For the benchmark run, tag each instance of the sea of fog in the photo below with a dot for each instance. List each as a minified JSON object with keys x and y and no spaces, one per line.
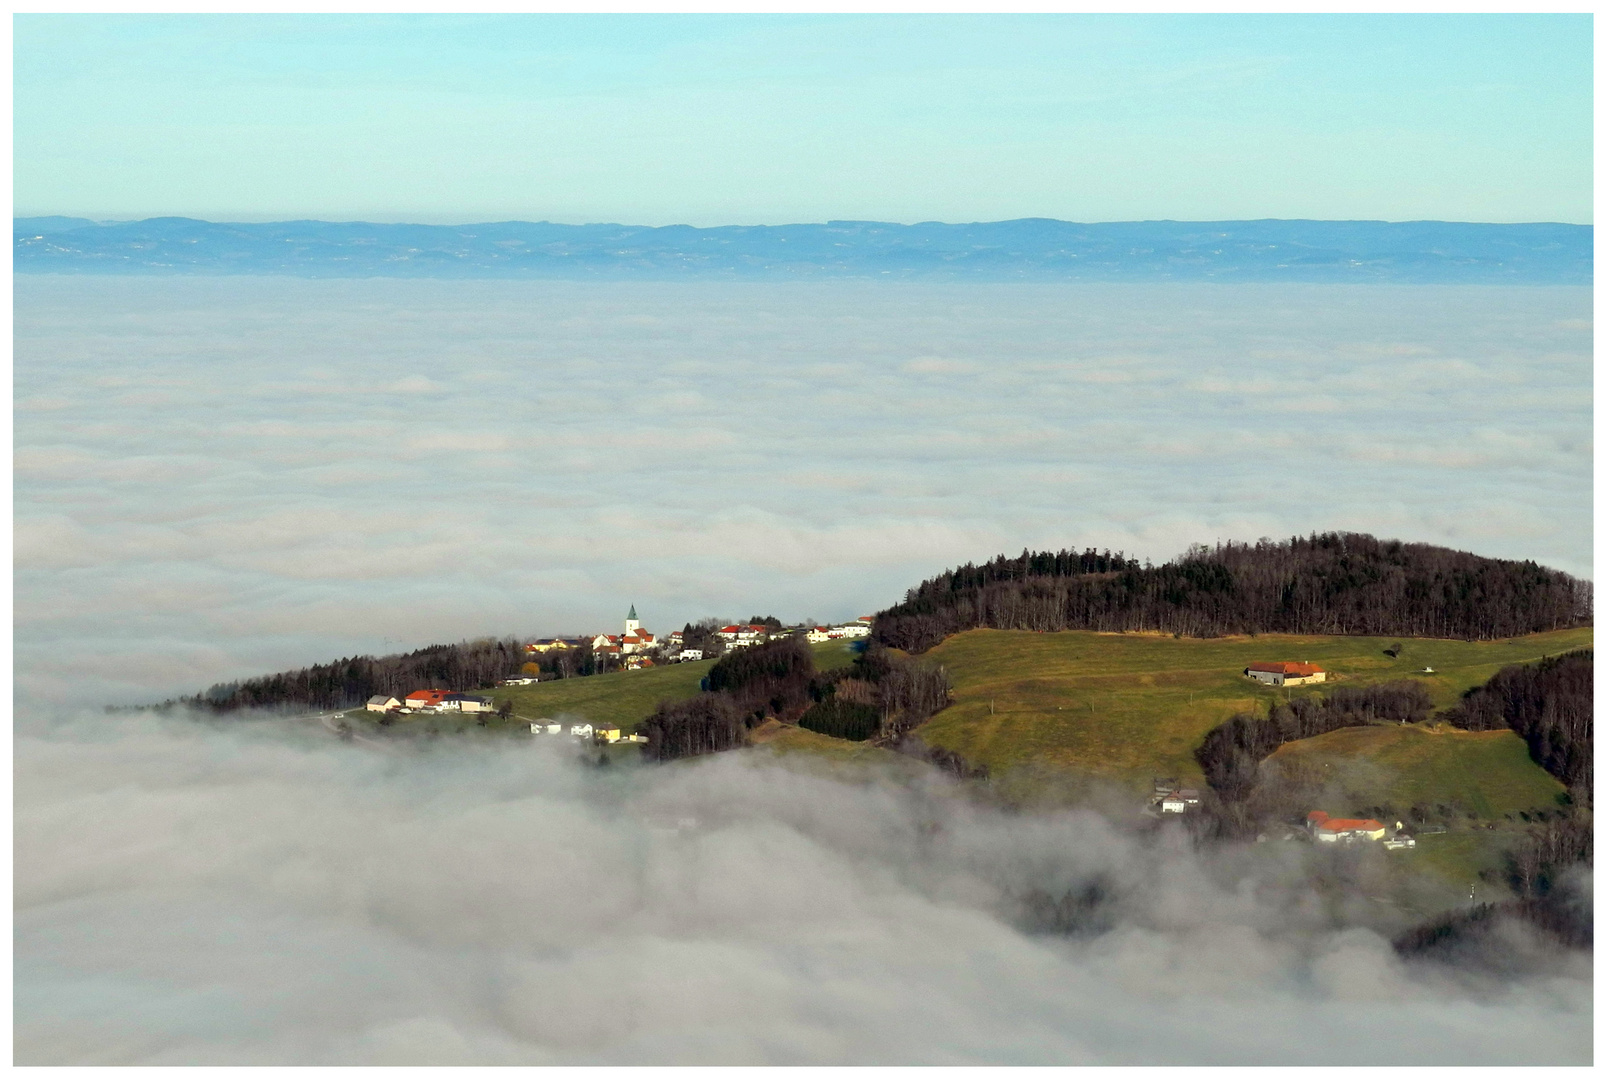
{"x":216,"y":477}
{"x":221,"y":477}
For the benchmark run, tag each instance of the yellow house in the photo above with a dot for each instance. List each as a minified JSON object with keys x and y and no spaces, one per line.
{"x":607,"y":732}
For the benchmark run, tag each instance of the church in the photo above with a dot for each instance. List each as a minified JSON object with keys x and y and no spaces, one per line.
{"x":633,"y":640}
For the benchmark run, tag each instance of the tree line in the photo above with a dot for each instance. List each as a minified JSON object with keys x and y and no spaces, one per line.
{"x":1232,"y":752}
{"x":877,"y":696}
{"x":344,"y":684}
{"x":1551,"y":705}
{"x":1327,"y":583}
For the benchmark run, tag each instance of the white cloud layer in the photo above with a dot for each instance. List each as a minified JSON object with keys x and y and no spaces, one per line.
{"x":218,"y":477}
{"x":258,"y":893}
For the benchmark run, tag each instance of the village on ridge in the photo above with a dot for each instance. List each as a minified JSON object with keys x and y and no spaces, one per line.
{"x":636,"y":648}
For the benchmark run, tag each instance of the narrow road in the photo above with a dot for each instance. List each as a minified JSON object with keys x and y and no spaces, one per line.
{"x":331,"y":721}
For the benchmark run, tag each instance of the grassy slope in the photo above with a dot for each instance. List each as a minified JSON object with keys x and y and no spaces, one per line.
{"x":1487,"y":772}
{"x":1132,"y":706}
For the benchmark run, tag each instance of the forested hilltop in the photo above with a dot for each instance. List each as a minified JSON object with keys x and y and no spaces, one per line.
{"x":1328,"y":583}
{"x":351,"y":681}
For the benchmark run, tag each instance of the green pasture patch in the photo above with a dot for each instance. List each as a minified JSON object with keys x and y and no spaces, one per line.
{"x":1133,"y":706}
{"x":1486,"y":774}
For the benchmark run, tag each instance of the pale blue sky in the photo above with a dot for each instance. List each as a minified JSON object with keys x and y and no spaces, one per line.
{"x":771,"y":119}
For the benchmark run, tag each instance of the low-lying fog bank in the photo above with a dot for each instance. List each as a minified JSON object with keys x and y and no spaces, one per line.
{"x":257,"y":892}
{"x":216,"y":478}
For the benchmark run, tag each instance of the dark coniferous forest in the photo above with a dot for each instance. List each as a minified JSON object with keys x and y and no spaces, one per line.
{"x":1328,"y":583}
{"x":345,"y":683}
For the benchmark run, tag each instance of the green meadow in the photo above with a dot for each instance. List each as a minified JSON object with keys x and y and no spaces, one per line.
{"x":1128,"y":707}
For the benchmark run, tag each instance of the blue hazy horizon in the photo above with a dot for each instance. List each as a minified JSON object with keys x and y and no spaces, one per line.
{"x":1028,"y":249}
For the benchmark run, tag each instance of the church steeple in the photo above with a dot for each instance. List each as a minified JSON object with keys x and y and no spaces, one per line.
{"x":632,"y":624}
{"x":632,"y":615}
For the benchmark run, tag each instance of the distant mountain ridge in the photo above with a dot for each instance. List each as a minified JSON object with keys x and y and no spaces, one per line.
{"x":1030,"y":249}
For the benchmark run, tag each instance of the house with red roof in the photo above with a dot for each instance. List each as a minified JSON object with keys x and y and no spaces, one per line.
{"x":1333,"y":830}
{"x":425,"y":699}
{"x":1285,"y":673}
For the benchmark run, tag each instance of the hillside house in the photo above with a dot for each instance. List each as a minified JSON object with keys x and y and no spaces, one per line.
{"x":607,"y":733}
{"x":424,"y":699}
{"x":524,"y":680}
{"x":546,"y":726}
{"x":817,"y":634}
{"x":1332,"y":830}
{"x":382,"y":703}
{"x":849,"y":630}
{"x":544,"y":645}
{"x":687,"y":655}
{"x":1178,"y":801}
{"x":466,"y":703}
{"x":582,"y":731}
{"x":1285,"y":673}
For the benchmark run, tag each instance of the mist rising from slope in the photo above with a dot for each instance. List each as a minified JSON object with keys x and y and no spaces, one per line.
{"x":257,"y":892}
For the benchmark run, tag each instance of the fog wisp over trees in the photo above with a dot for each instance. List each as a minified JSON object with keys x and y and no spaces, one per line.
{"x":1328,"y":583}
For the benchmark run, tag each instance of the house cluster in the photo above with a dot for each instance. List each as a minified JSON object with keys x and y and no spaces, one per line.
{"x":1286,"y":673}
{"x":429,"y":701}
{"x":1326,"y":829}
{"x":604,"y":733}
{"x":637,"y":648}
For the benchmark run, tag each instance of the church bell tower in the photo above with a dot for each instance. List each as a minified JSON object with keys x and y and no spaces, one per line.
{"x":632,"y":623}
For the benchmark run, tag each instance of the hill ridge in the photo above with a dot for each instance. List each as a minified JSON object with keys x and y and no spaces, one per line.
{"x":1023,"y":249}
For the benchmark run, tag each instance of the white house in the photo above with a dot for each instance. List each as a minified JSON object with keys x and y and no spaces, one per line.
{"x":851,"y":630}
{"x":817,"y":634}
{"x":580,"y":730}
{"x":546,"y":726}
{"x":466,"y":703}
{"x":523,"y":681}
{"x":1176,"y":800}
{"x":382,"y":703}
{"x":689,"y":654}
